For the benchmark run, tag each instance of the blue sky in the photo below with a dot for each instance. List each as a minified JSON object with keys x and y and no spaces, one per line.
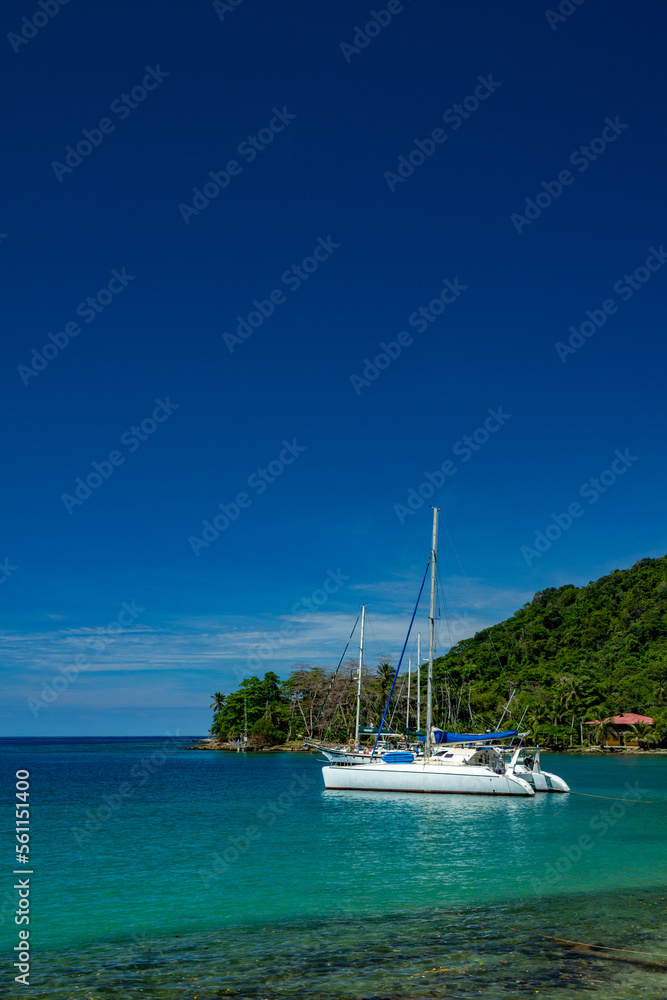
{"x":211,"y":344}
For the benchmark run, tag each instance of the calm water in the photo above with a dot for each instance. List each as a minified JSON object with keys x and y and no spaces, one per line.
{"x":162,"y":872}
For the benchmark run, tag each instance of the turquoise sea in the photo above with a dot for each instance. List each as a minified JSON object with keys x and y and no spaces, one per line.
{"x":162,"y":872}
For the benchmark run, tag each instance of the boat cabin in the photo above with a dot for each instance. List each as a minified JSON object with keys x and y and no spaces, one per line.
{"x":480,"y":756}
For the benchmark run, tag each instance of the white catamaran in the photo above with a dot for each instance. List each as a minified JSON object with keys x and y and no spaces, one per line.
{"x":452,"y":763}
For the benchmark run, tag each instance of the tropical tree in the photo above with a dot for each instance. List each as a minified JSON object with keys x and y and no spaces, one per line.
{"x":265,"y":733}
{"x":575,"y":692}
{"x":385,"y":675}
{"x":218,"y":701}
{"x":569,"y":690}
{"x":602,"y":732}
{"x":644,"y":733}
{"x":534,"y":722}
{"x":308,"y":687}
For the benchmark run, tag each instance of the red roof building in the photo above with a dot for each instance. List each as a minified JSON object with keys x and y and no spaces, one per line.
{"x":630,"y":719}
{"x":625,"y":719}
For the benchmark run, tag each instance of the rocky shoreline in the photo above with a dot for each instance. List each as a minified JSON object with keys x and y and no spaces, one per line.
{"x":229,"y":746}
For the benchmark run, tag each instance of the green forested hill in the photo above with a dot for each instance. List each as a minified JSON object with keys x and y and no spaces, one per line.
{"x":572,"y":651}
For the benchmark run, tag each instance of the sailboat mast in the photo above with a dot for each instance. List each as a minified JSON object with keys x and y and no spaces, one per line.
{"x":419,"y":687}
{"x":407,"y":709}
{"x":361,"y":660}
{"x":505,"y":709}
{"x":431,"y":636}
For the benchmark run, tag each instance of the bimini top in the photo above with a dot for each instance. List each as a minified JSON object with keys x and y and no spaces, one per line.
{"x":442,"y":737}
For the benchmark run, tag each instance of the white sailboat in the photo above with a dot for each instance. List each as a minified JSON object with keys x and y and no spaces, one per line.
{"x":354,"y":753}
{"x":479,"y":767}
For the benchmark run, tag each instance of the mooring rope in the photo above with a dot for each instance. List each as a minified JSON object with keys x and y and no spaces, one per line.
{"x":614,"y":798}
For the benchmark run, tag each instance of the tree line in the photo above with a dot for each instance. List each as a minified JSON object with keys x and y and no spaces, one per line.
{"x":313,"y":701}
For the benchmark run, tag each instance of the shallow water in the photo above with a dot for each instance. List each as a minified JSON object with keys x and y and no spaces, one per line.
{"x":170,"y":873}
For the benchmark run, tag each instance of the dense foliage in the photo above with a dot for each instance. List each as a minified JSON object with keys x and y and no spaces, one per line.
{"x":572,"y":654}
{"x":311,"y":701}
{"x":258,"y":705}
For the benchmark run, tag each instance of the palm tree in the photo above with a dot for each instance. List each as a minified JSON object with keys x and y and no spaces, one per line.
{"x":568,"y":688}
{"x":218,"y":701}
{"x":575,"y":691}
{"x":602,"y":731}
{"x":534,"y":722}
{"x":660,"y":691}
{"x":385,"y":675}
{"x":644,"y":733}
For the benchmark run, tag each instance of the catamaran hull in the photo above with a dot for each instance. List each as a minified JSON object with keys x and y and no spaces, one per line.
{"x":545,"y":781}
{"x":425,"y":778}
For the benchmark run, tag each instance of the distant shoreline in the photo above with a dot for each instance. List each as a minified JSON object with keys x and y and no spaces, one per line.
{"x":296,"y":746}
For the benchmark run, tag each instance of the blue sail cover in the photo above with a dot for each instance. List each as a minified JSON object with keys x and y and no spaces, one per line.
{"x":442,"y":737}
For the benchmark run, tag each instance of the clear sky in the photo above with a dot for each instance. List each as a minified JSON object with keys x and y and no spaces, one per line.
{"x":214,"y":217}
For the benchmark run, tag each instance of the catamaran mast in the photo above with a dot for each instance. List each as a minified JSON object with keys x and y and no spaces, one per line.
{"x":419,"y":689}
{"x":361,"y":660}
{"x":431,"y":636}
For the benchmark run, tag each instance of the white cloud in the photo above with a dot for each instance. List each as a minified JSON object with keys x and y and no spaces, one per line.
{"x":209,"y":643}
